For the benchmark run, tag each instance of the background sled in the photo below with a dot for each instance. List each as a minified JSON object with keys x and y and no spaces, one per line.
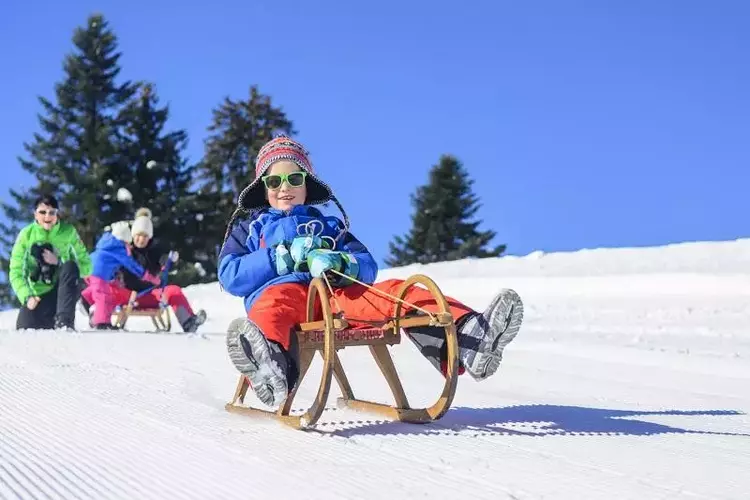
{"x":333,"y":333}
{"x":160,"y":316}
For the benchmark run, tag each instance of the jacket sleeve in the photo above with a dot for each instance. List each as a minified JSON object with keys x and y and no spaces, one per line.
{"x":129,"y":263}
{"x":81,"y":254}
{"x":17,"y":274}
{"x":244,"y":268}
{"x":368,"y":268}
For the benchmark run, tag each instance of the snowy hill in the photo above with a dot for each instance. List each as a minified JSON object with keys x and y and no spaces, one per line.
{"x":629,"y":380}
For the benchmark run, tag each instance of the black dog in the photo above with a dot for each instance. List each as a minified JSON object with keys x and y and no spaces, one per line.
{"x":42,"y":272}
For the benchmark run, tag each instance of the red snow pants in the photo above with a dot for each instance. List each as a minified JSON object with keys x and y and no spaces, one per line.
{"x":280,"y":307}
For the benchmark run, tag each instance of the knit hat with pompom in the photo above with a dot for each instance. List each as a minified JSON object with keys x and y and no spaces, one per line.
{"x":142,"y":223}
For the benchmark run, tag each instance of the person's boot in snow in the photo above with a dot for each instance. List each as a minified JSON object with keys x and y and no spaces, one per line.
{"x":271,"y":371}
{"x":191,"y":324}
{"x":64,"y":323}
{"x":105,"y":326}
{"x":483,"y":337}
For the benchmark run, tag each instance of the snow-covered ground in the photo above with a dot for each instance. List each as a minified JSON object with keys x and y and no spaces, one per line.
{"x":630,"y":379}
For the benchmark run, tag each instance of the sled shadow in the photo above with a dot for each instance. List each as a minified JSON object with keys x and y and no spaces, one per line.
{"x":536,"y":421}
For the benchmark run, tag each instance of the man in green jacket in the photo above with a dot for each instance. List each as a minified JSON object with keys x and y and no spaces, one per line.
{"x":47,"y":263}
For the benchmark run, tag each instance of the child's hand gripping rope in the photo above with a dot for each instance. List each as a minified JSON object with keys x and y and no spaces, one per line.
{"x":320,"y":261}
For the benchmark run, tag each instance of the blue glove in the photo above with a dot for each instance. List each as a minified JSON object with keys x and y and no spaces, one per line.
{"x":301,"y":248}
{"x":320,"y":260}
{"x":284,"y":262}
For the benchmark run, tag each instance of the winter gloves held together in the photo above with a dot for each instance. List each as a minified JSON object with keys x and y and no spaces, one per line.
{"x":312,"y":254}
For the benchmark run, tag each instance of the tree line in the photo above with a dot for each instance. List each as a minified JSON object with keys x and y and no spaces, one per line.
{"x":104,"y":148}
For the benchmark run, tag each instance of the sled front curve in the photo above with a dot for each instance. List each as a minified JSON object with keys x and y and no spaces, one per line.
{"x":316,"y":291}
{"x":401,"y":410}
{"x":333,"y":333}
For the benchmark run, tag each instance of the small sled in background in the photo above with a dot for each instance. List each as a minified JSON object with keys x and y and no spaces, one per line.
{"x":160,"y":315}
{"x":333,"y":333}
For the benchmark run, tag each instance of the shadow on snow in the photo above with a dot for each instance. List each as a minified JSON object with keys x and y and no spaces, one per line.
{"x":535,"y":420}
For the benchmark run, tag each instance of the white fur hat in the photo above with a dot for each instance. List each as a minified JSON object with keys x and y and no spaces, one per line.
{"x":121,"y":231}
{"x":142,"y":223}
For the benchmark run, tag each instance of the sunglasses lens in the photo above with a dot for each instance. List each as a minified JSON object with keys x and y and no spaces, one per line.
{"x":296,"y":179}
{"x":273,"y":181}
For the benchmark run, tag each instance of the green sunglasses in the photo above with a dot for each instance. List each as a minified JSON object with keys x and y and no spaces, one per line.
{"x":294,"y":179}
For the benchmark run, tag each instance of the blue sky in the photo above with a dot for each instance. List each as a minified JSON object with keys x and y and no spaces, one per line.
{"x":584,"y":124}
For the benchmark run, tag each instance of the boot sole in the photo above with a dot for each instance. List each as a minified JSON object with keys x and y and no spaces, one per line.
{"x":507,"y":312}
{"x":266,"y":379}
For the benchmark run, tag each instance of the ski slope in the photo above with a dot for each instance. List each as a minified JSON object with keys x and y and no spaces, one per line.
{"x":629,"y":380}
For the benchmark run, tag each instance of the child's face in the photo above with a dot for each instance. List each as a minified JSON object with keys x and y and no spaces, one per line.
{"x":140,"y":240}
{"x":286,"y":196}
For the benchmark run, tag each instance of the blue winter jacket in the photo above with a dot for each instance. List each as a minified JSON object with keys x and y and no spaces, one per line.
{"x":110,"y":255}
{"x":247,"y":263}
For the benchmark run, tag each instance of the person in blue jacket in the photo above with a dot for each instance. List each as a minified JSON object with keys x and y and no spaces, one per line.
{"x":111,"y":254}
{"x":277,"y":241}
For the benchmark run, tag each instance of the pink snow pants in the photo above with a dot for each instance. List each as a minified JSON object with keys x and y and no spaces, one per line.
{"x":103,"y":294}
{"x":107,"y":295}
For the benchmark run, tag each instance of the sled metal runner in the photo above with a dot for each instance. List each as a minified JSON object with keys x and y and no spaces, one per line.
{"x":332,"y":333}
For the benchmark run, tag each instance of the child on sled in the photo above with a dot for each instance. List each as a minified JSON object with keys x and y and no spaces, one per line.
{"x":281,"y":242}
{"x":153,"y":258}
{"x":139,"y":261}
{"x":103,"y":292}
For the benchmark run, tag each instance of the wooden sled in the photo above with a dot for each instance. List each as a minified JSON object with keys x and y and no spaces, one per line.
{"x":159,"y":316}
{"x":333,"y":333}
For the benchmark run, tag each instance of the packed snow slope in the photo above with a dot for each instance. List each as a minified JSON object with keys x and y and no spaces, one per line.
{"x":630,"y":379}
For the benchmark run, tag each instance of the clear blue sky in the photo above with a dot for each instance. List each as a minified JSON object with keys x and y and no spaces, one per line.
{"x":584,"y":124}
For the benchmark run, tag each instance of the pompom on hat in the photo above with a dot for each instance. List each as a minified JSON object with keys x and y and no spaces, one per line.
{"x":143,"y":212}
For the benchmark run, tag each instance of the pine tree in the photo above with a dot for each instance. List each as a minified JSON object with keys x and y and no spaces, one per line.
{"x":159,"y":178}
{"x":238,"y":131}
{"x":75,"y":152}
{"x":442,"y":229}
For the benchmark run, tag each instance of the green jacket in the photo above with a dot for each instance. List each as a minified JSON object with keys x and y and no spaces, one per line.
{"x":67,"y":244}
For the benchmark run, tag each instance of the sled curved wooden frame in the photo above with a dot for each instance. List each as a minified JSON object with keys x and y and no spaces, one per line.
{"x":159,"y":316}
{"x":332,"y":333}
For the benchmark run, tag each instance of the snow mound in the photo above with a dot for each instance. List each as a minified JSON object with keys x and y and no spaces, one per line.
{"x":629,"y":379}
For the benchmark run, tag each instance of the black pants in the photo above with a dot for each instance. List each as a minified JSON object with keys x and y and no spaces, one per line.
{"x":56,"y":307}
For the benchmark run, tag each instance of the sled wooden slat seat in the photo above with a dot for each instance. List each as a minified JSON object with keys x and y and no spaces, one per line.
{"x":331,"y":334}
{"x":159,"y":315}
{"x":315,"y":339}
